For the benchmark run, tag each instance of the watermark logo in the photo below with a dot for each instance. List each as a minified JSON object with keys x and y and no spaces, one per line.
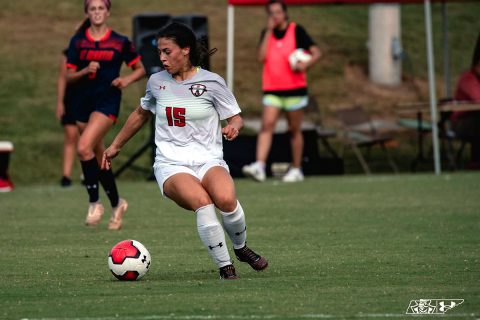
{"x":432,"y":306}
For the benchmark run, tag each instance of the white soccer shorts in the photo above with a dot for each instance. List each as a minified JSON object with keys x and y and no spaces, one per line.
{"x":165,"y":171}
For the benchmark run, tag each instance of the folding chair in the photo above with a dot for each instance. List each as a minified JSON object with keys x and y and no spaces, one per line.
{"x":360,"y":132}
{"x":313,"y":113}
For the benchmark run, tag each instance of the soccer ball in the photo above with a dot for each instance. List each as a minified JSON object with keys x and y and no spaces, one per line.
{"x":129,"y":260}
{"x":299,"y":55}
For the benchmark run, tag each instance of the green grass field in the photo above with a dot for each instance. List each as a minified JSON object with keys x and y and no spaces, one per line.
{"x":338,"y":247}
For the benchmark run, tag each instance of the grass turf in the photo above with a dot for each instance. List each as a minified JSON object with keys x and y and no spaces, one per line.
{"x":340,"y":247}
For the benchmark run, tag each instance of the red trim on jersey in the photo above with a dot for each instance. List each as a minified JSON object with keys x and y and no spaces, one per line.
{"x":72,"y":66}
{"x":131,"y":63}
{"x":105,"y":36}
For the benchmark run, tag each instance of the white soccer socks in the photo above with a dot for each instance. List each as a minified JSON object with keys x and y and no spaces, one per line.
{"x":211,"y":233}
{"x":234,"y":224}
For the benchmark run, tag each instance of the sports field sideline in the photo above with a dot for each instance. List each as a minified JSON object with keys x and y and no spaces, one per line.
{"x":339,"y":248}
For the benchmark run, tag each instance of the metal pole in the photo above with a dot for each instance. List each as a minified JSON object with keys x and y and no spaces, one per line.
{"x":230,"y":44}
{"x":446,"y":57}
{"x":431,"y":82}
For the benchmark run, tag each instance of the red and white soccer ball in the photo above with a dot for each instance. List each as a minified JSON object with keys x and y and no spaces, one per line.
{"x":299,"y":55}
{"x":129,"y":260}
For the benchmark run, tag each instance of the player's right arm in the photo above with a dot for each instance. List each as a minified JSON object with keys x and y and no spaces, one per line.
{"x":61,"y":85}
{"x":73,"y":75}
{"x":262,"y":48}
{"x":73,"y":61}
{"x":135,"y":122}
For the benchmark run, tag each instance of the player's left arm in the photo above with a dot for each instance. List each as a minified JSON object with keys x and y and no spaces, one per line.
{"x":137,"y":73}
{"x":227,"y":107}
{"x":307,"y":43}
{"x":316,"y":55}
{"x":233,"y":127}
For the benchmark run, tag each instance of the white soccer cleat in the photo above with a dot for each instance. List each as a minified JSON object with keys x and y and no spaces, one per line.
{"x":255,"y":171}
{"x":293,"y":175}
{"x":94,"y":215}
{"x":117,"y":215}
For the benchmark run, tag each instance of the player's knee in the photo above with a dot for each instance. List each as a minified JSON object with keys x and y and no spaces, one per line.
{"x":84,"y":151}
{"x":268,"y":127}
{"x":226,"y":203}
{"x":70,"y":139}
{"x":202,"y":201}
{"x":295,"y":128}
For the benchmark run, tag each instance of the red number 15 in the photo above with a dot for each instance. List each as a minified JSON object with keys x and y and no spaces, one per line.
{"x":175,"y":116}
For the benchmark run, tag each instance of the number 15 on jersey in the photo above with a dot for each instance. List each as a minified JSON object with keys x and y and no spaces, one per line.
{"x":175,"y":116}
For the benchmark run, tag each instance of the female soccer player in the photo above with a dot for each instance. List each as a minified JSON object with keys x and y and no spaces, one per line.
{"x":188,"y":103}
{"x":65,"y":113}
{"x":94,"y":61}
{"x":284,"y":88}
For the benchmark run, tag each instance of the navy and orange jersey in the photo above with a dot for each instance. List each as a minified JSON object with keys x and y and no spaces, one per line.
{"x":110,"y":51}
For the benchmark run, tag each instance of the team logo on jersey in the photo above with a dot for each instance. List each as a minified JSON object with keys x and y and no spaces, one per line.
{"x":197,"y":89}
{"x":96,"y":55}
{"x":162,"y":88}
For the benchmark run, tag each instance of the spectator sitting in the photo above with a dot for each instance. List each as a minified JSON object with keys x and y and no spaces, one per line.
{"x":466,"y":124}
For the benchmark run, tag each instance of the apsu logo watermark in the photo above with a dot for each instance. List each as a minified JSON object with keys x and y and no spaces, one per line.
{"x":432,"y":306}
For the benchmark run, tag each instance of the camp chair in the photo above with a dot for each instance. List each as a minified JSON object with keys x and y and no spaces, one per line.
{"x":360,"y":132}
{"x":448,"y":137}
{"x":313,"y":113}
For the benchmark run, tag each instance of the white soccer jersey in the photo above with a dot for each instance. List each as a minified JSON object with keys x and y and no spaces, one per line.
{"x":187,"y":116}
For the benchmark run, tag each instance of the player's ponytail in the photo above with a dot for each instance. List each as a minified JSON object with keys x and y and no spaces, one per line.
{"x":184,"y":37}
{"x":203,"y":54}
{"x":83,"y":26}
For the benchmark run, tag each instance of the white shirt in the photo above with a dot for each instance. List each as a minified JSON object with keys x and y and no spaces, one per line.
{"x":187,"y":116}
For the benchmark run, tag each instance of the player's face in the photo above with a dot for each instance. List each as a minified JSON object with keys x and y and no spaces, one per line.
{"x":173,"y":58}
{"x":275,"y":12}
{"x":97,"y":12}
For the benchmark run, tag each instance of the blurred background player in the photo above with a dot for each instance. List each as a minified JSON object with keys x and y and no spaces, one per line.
{"x":65,"y":114}
{"x":189,"y":103}
{"x":6,"y":184}
{"x":284,"y":88}
{"x":94,"y":61}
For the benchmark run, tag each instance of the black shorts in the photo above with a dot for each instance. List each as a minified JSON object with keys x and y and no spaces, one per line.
{"x":107,"y":102}
{"x":68,"y":117}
